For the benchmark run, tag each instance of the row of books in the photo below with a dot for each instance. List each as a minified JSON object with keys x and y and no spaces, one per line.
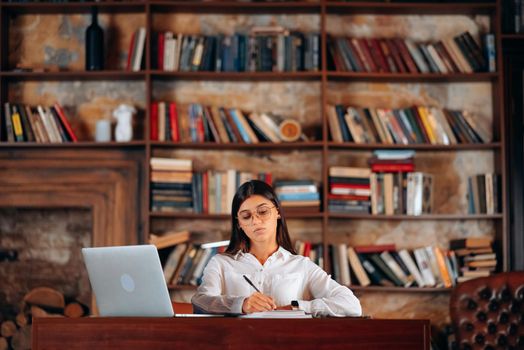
{"x":483,"y":194}
{"x":460,"y":54}
{"x":184,"y":262}
{"x":200,"y":123}
{"x":313,"y":251}
{"x":24,"y":123}
{"x":135,"y":55}
{"x":429,"y":266}
{"x":405,"y":126}
{"x":265,"y":49}
{"x":298,"y":194}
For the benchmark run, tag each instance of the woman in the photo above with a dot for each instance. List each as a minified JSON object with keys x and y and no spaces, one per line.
{"x":260,"y":249}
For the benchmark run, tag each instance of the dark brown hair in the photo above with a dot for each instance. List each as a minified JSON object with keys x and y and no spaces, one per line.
{"x":239,"y":240}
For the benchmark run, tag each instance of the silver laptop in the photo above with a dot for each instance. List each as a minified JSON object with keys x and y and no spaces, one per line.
{"x":128,"y":281}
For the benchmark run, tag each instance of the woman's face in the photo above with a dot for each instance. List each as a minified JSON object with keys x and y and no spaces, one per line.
{"x":257,"y":217}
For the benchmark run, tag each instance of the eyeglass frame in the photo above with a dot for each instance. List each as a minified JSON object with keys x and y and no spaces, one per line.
{"x":255,"y":212}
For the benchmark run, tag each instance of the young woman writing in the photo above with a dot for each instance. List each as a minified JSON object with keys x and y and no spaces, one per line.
{"x":260,"y":270}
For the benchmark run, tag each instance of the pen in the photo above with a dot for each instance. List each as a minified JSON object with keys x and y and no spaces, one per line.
{"x":250,"y":283}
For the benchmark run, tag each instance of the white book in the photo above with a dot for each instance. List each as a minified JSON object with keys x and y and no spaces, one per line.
{"x":436,"y":58}
{"x":231,"y":188}
{"x":47,"y":125}
{"x":270,"y":123}
{"x":269,"y":133}
{"x":140,"y":43}
{"x":343,"y":263}
{"x":424,"y":267}
{"x":417,"y":193}
{"x":442,"y":120}
{"x":178,"y":49}
{"x":417,"y":56}
{"x":177,"y":164}
{"x":395,"y":268}
{"x":412,"y":267}
{"x":169,"y":52}
{"x":433,"y":264}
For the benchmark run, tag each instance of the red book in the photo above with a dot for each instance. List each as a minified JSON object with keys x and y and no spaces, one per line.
{"x":153,"y":133}
{"x":446,"y":57}
{"x":406,"y":57}
{"x":367,"y":54}
{"x":392,"y":168}
{"x":130,"y":52}
{"x":343,"y":185}
{"x":375,"y":248}
{"x":384,"y":48}
{"x":160,"y":52}
{"x":200,"y":125}
{"x":396,"y":55}
{"x":347,"y":197}
{"x":173,"y":121}
{"x":380,"y":60}
{"x":307,"y":248}
{"x":65,"y":122}
{"x":268,"y":178}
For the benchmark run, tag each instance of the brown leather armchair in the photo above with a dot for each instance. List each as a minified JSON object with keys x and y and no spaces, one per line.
{"x":488,"y":313}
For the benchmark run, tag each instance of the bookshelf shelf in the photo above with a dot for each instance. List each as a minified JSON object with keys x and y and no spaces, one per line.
{"x":237,"y":7}
{"x":241,"y":146}
{"x":418,"y":147}
{"x":512,"y":36}
{"x":403,"y":77}
{"x":73,"y":75}
{"x":424,"y":217}
{"x":174,"y":215}
{"x":86,"y":144}
{"x":400,"y":289}
{"x":73,"y":7}
{"x":251,"y":76}
{"x":400,"y":8}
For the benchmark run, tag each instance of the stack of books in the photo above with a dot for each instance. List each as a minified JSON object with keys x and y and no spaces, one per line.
{"x":349,"y":190}
{"x":299,"y":195}
{"x":475,"y":257}
{"x":171,"y":184}
{"x":483,"y":194}
{"x":459,"y":54}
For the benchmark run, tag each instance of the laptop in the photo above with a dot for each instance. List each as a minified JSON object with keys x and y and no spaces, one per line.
{"x":128,"y":281}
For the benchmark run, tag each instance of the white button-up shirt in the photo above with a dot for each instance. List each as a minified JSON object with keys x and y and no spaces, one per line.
{"x":284,"y":277}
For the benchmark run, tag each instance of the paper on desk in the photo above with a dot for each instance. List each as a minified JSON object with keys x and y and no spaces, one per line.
{"x":278,"y":314}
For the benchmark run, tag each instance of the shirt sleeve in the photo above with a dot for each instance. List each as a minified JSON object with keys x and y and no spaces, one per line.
{"x":329,"y":297}
{"x":209,"y":297}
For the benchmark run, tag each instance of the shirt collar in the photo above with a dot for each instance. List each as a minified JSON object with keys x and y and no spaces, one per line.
{"x":280,"y":253}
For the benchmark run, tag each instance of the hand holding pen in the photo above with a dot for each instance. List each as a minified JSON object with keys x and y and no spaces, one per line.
{"x":257,"y":301}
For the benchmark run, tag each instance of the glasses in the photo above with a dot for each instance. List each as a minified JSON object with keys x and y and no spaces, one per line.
{"x":263,"y":213}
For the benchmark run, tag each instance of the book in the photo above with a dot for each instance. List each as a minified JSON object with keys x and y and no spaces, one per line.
{"x":470,"y":242}
{"x":168,"y":239}
{"x":278,"y":314}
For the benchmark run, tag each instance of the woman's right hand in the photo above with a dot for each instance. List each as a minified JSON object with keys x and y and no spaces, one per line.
{"x":257,"y":302}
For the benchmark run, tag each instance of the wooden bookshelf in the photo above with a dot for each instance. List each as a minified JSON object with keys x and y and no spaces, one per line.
{"x":323,"y":10}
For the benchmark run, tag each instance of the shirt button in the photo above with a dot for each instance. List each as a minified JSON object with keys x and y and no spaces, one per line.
{"x":261,"y":270}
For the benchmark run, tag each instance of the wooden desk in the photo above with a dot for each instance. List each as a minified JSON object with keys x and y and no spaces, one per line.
{"x":229,"y":333}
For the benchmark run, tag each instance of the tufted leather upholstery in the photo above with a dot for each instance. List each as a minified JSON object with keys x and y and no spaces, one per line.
{"x":488,"y":312}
